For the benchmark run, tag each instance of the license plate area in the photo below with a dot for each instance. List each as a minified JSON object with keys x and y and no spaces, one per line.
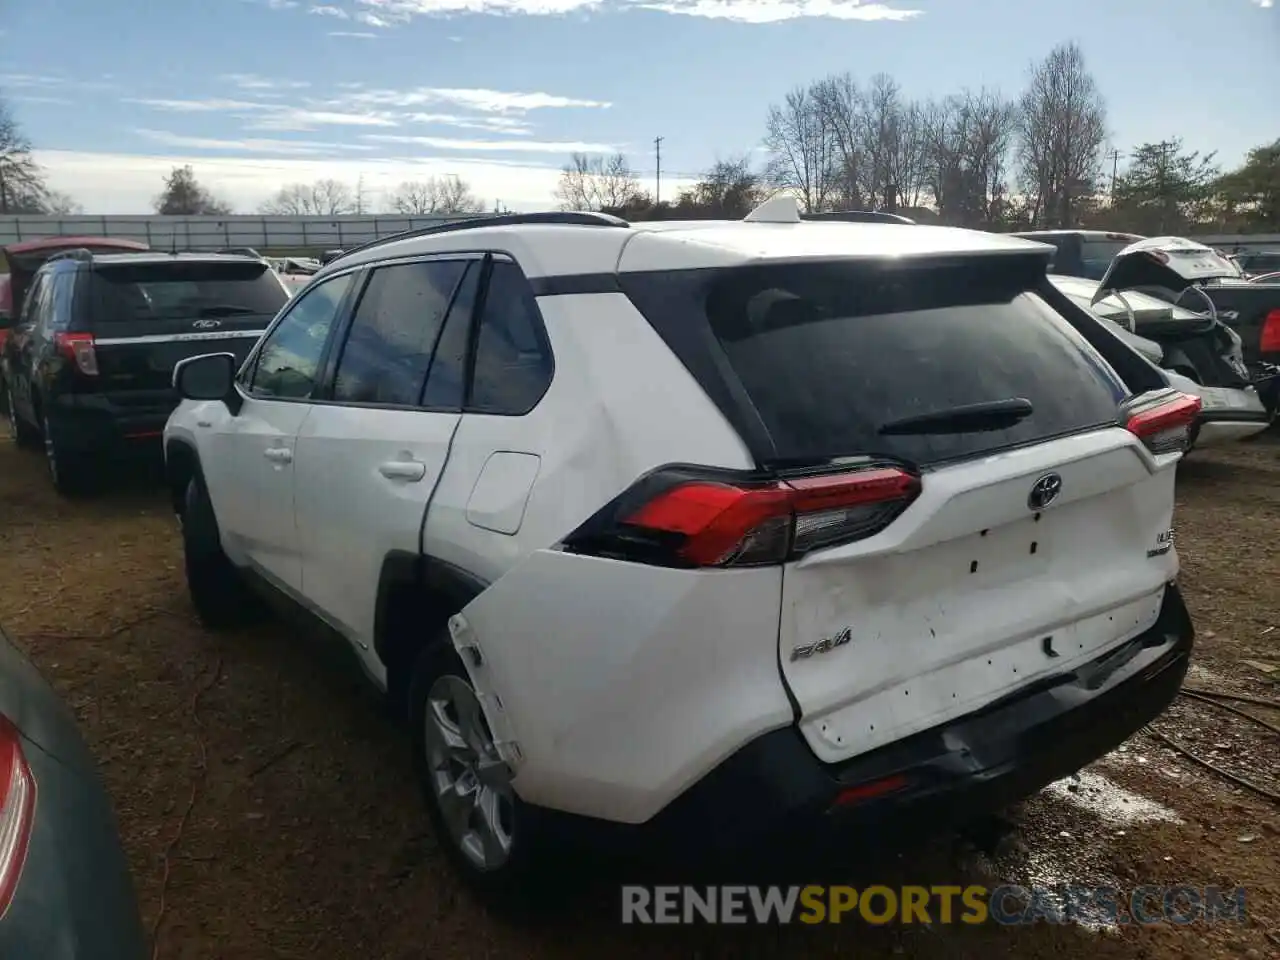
{"x":1017,"y":550}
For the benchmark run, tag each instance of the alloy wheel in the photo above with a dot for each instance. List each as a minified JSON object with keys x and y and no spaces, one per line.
{"x":472,"y":785}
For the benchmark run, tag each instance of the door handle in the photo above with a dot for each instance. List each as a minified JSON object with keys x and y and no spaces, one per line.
{"x":278,"y":454}
{"x":410,"y":470}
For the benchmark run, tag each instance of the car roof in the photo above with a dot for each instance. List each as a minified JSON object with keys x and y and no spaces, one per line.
{"x":71,"y":243}
{"x":548,"y":249}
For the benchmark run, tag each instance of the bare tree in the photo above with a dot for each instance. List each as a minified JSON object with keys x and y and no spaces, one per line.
{"x":805,"y":153}
{"x":60,"y":204}
{"x":184,"y":196}
{"x":728,"y":191}
{"x":967,"y":141}
{"x":595,"y":182}
{"x":22,"y":187}
{"x":1061,"y":133}
{"x":839,"y":135}
{"x":907,"y":156}
{"x":448,"y":195}
{"x":323,"y":198}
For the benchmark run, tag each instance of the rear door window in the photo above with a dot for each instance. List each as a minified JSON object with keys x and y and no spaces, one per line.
{"x":157,"y":292}
{"x":513,"y":365}
{"x":394,"y":332}
{"x":828,"y":354}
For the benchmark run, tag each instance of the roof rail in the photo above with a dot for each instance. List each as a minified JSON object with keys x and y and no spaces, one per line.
{"x":859,"y":216}
{"x":79,"y":253}
{"x":564,"y":218}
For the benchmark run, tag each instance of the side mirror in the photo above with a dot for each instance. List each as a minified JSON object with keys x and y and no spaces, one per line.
{"x":211,"y":376}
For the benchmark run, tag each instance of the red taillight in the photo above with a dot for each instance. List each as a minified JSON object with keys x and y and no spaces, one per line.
{"x":1271,"y":333}
{"x":715,"y":523}
{"x":17,"y":811}
{"x":871,"y":790}
{"x":1165,"y":426}
{"x":78,"y":348}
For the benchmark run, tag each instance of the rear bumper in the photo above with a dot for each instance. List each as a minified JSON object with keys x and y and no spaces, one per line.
{"x":100,"y":424}
{"x":943,"y":777}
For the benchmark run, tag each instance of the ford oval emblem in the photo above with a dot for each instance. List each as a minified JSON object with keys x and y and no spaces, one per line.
{"x":1044,"y":491}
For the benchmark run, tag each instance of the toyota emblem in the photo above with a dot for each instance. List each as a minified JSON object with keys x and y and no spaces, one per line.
{"x":1044,"y":491}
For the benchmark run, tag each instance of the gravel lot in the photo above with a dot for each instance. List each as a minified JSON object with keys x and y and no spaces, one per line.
{"x":268,"y":809}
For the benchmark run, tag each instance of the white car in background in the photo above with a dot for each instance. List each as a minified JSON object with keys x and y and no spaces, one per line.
{"x":1201,"y":356}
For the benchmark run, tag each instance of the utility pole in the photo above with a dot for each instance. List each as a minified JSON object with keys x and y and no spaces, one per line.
{"x":1162,"y":173}
{"x":1115,"y":170}
{"x":657,"y":180}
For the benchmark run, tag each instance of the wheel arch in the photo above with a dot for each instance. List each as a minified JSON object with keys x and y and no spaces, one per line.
{"x":181,"y":466}
{"x":417,"y":594}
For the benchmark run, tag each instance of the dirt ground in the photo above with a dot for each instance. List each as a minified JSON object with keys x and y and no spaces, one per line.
{"x":268,"y":808}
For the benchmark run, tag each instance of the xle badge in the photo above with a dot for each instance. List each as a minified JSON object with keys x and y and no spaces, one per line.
{"x":805,"y":651}
{"x":1164,"y":543}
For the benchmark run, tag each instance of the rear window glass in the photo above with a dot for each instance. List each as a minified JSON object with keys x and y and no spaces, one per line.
{"x":829,"y":354}
{"x":137,"y":293}
{"x":1096,"y":256}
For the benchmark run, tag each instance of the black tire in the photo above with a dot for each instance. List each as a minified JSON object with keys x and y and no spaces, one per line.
{"x":218,"y":592}
{"x":513,"y":886}
{"x":23,"y":434}
{"x":70,"y":472}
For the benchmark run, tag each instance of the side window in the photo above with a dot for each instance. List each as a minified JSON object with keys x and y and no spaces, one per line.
{"x":58,"y":315}
{"x":394,"y":332}
{"x":513,"y":361}
{"x":289,"y":359}
{"x":35,"y":296}
{"x":447,"y":381}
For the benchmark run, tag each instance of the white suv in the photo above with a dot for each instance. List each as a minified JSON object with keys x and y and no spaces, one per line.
{"x":716,"y":527}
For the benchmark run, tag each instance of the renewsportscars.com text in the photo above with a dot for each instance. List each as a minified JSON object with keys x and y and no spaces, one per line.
{"x":1007,"y":905}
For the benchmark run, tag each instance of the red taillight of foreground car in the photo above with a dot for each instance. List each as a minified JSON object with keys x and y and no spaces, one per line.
{"x":694,"y":522}
{"x":1166,"y":426}
{"x":17,"y":811}
{"x":79,"y":349}
{"x":1270,"y":342}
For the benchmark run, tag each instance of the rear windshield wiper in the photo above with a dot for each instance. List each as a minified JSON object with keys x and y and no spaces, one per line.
{"x":969,"y":418}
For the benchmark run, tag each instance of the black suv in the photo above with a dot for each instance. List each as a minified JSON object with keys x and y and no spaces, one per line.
{"x":89,"y":365}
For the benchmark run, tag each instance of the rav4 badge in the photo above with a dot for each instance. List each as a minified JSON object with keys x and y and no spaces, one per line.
{"x":825,"y":645}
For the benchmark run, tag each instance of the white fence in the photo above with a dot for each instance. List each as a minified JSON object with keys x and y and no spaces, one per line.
{"x":214,"y":233}
{"x":310,"y":233}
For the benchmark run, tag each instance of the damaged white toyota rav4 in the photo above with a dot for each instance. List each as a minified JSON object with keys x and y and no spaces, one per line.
{"x":722,"y":528}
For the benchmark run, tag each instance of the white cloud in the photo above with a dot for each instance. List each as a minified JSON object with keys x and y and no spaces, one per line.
{"x":251,"y":81}
{"x":742,"y":11}
{"x":278,"y":147}
{"x":295,"y":119}
{"x":354,"y":35}
{"x":509,"y":125}
{"x":34,"y":98}
{"x":328,"y":11}
{"x":214,"y":105}
{"x":483,"y":146}
{"x":486,"y":101}
{"x":1264,"y":4}
{"x":128,"y":183}
{"x":774,"y":11}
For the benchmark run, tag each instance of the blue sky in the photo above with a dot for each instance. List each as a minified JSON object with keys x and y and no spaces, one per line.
{"x":257,"y":93}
